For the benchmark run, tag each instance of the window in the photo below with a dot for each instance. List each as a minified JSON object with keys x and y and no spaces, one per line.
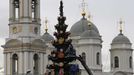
{"x":15,"y":64}
{"x":130,"y":62}
{"x":16,"y":8}
{"x":34,"y":3}
{"x":36,"y":30}
{"x":98,"y":58}
{"x":84,"y":56}
{"x":36,"y":64}
{"x":116,"y":62}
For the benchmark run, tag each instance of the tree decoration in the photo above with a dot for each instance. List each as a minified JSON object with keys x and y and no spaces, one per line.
{"x":64,"y":52}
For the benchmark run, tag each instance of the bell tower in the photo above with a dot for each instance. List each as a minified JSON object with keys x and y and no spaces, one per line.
{"x":24,"y":19}
{"x":24,"y":51}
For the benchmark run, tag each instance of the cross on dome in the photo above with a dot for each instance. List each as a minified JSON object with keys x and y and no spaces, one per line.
{"x":83,"y":6}
{"x":46,"y":23}
{"x":121,"y":25}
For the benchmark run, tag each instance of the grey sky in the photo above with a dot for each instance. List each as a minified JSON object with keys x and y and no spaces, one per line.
{"x":105,"y":14}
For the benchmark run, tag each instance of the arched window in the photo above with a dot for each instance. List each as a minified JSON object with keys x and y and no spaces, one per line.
{"x":16,"y":8}
{"x":84,"y":56}
{"x":34,"y":3}
{"x":116,"y":62}
{"x":15,"y":64}
{"x":98,"y":58}
{"x":36,"y":30}
{"x":130,"y":62}
{"x":36,"y":64}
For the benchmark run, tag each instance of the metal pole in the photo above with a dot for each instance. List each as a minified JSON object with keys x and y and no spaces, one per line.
{"x":80,"y":58}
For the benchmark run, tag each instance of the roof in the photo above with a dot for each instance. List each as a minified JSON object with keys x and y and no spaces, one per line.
{"x":12,"y":43}
{"x":17,"y":43}
{"x":120,"y":39}
{"x":38,"y":42}
{"x":90,"y":34}
{"x":81,"y":26}
{"x":47,"y":37}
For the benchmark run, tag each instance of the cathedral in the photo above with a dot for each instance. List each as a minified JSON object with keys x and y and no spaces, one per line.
{"x":26,"y":50}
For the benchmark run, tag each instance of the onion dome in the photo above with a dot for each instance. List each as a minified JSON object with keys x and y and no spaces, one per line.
{"x":90,"y":34}
{"x":120,"y":39}
{"x":81,"y":26}
{"x":47,"y":37}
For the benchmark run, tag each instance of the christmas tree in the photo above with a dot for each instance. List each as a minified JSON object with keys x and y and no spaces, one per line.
{"x":64,"y":53}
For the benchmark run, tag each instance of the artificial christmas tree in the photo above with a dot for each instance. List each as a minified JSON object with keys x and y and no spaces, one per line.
{"x":64,"y":56}
{"x":64,"y":52}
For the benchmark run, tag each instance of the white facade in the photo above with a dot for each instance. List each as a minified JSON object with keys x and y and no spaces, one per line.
{"x":88,"y":40}
{"x":25,"y":50}
{"x":121,"y":56}
{"x":92,"y":46}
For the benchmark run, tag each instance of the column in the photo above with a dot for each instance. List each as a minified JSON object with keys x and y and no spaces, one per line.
{"x":21,"y":63}
{"x":5,"y":65}
{"x":11,"y":10}
{"x":38,"y":11}
{"x":30,"y":9}
{"x":25,"y":10}
{"x":31,"y":61}
{"x":9,"y":64}
{"x":26,"y":62}
{"x":41,"y":63}
{"x":45,"y":62}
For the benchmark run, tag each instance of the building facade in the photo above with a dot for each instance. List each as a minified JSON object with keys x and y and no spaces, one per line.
{"x":25,"y":50}
{"x":88,"y":43}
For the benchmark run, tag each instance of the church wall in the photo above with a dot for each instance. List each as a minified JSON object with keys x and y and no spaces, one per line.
{"x":25,"y":32}
{"x":126,"y":46}
{"x":123,"y":60}
{"x":91,"y":52}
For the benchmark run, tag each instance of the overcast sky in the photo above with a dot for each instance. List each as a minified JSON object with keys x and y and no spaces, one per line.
{"x":105,"y":15}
